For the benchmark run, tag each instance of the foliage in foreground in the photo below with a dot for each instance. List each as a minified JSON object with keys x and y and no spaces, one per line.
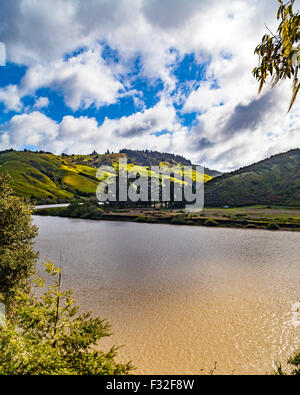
{"x":279,"y":54}
{"x":295,"y":362}
{"x":50,"y":337}
{"x":17,"y":257}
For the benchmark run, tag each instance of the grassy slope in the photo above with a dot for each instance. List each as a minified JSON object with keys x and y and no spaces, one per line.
{"x":273,"y":181}
{"x":48,"y":176}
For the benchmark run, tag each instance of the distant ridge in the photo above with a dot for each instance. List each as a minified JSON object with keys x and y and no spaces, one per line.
{"x":154,"y":158}
{"x":275,"y":181}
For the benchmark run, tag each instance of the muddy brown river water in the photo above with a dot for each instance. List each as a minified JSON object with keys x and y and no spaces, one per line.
{"x":181,"y":298}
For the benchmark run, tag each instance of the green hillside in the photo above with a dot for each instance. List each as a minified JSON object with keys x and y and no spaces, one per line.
{"x":45,"y":177}
{"x":273,"y":181}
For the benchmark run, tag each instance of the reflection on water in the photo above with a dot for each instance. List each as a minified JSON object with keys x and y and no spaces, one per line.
{"x":182,"y":298}
{"x":51,"y":205}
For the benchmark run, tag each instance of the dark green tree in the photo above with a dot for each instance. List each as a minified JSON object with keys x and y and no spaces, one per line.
{"x":279,"y":53}
{"x":17,"y":257}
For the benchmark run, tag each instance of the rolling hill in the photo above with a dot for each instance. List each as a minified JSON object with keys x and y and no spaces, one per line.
{"x":45,"y":177}
{"x":273,"y":181}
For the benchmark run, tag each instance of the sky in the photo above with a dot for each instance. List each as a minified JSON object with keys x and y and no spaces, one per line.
{"x":166,"y":75}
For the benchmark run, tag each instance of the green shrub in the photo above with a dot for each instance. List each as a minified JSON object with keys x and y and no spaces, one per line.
{"x":41,"y":211}
{"x":211,"y":222}
{"x":140,"y":218}
{"x":87,"y":210}
{"x":273,"y":226}
{"x":190,"y":222}
{"x":251,"y":226}
{"x":178,"y":220}
{"x":151,"y":220}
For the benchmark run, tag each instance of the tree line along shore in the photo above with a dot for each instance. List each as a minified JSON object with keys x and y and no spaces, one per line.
{"x":257,"y":217}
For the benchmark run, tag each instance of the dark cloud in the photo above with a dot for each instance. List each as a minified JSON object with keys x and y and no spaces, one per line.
{"x":170,"y":13}
{"x":105,"y":13}
{"x":137,"y":129}
{"x":198,"y":138}
{"x":10,"y":15}
{"x":202,"y":143}
{"x":249,"y":116}
{"x":227,"y":155}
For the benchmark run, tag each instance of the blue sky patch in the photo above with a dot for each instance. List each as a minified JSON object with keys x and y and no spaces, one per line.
{"x":188,"y":69}
{"x":11,"y":74}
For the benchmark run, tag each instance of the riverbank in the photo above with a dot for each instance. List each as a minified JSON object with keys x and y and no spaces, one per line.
{"x":256,"y":217}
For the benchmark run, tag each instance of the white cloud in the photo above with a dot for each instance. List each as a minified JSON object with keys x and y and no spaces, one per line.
{"x":204,"y":98}
{"x":11,"y":98}
{"x":83,"y":134}
{"x":41,"y":102}
{"x":34,"y":129}
{"x":84,"y":79}
{"x":156,"y":119}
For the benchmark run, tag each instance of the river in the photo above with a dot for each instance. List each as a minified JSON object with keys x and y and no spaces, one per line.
{"x":181,"y":298}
